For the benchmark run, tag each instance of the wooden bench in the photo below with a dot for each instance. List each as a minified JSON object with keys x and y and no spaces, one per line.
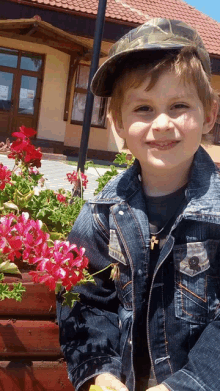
{"x":30,"y":356}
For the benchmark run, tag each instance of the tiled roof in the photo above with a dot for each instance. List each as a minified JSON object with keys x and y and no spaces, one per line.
{"x":138,"y":11}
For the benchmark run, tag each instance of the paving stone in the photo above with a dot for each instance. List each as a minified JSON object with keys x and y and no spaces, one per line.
{"x":55,"y":174}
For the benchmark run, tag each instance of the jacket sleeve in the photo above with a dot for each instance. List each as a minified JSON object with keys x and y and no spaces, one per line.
{"x":202,"y":371}
{"x":89,"y":333}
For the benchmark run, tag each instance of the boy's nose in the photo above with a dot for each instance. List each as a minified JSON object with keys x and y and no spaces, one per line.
{"x":162,"y":123}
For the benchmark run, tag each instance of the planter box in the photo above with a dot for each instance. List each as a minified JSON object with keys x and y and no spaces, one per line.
{"x":30,"y":355}
{"x":34,"y":375}
{"x":37,"y":301}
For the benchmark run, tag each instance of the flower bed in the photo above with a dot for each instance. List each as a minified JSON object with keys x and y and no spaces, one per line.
{"x":35,"y":262}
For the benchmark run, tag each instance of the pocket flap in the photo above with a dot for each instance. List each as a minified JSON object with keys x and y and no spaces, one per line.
{"x":191,"y":258}
{"x":115,"y":248}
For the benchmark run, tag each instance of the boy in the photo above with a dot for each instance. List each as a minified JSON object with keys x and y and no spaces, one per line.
{"x":156,"y":325}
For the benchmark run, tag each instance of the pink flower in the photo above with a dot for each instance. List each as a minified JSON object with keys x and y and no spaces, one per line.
{"x":72,"y":178}
{"x":75,"y":177}
{"x":63,"y":263}
{"x":5,"y":176}
{"x":33,"y":171}
{"x":10,"y":243}
{"x":20,"y":236}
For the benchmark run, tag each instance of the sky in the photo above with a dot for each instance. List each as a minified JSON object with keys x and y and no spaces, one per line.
{"x":208,"y":7}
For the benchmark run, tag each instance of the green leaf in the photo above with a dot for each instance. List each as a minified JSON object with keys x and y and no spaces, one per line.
{"x":9,"y":267}
{"x":89,"y":163}
{"x":87,"y":278}
{"x":104,"y":179}
{"x":15,"y":293}
{"x":70,"y":298}
{"x":56,"y":236}
{"x":10,"y":205}
{"x":58,"y":287}
{"x":121,"y":158}
{"x":124,"y":159}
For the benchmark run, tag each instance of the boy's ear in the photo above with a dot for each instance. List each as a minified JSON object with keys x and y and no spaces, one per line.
{"x":211,"y":118}
{"x":119,"y":128}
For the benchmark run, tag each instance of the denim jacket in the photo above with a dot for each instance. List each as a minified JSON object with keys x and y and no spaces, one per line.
{"x":179,"y":312}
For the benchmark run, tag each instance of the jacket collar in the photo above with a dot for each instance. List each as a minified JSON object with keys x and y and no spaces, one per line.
{"x":202,"y":193}
{"x":122,"y":187}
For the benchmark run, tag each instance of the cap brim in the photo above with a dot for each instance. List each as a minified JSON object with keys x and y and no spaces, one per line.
{"x":103,"y":80}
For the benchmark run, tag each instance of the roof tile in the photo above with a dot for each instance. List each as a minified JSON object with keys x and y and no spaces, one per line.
{"x":138,"y":11}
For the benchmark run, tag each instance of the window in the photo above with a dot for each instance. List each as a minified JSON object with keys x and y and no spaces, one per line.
{"x":31,"y":62}
{"x":79,"y":100}
{"x":20,"y":89}
{"x":8,"y":57}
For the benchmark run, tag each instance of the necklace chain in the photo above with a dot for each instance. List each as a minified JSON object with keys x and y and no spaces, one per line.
{"x":154,"y":239}
{"x":154,"y":235}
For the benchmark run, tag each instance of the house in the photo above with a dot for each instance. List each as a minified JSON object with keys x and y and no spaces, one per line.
{"x":45,"y":53}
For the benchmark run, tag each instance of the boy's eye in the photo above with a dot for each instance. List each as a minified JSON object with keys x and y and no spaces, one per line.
{"x":179,"y":106}
{"x":144,"y":109}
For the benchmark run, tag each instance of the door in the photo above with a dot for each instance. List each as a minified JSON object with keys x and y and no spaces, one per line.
{"x":6,"y":103}
{"x":20,"y":90}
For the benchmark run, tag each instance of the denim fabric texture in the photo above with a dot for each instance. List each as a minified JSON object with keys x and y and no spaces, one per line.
{"x":178,"y":314}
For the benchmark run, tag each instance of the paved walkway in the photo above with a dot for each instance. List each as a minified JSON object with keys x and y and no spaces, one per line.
{"x":55,"y":174}
{"x":55,"y":171}
{"x":214,"y":151}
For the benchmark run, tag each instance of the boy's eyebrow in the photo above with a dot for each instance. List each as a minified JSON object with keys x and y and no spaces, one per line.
{"x":132,"y":97}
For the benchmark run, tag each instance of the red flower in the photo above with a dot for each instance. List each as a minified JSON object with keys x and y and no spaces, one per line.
{"x":33,"y":156}
{"x":22,"y":149}
{"x":61,"y":198}
{"x":5,"y":176}
{"x":24,"y":132}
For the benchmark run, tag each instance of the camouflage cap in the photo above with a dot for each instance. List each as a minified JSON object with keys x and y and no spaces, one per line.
{"x":156,"y":34}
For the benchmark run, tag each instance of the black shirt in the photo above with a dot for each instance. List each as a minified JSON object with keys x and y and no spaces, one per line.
{"x":162,"y":212}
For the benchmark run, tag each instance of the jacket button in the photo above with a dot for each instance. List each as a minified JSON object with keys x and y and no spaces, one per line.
{"x":194,"y":263}
{"x":140,"y":272}
{"x":121,"y":212}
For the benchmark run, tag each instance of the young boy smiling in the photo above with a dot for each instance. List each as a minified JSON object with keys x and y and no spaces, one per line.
{"x":156,"y":325}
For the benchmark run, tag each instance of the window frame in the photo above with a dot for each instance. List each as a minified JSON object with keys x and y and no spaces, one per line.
{"x":18,"y":73}
{"x":83,"y":91}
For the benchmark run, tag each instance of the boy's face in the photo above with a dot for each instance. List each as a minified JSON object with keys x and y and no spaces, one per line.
{"x":163,"y":127}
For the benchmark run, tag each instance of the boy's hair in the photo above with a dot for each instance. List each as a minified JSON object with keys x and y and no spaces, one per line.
{"x":186,"y":65}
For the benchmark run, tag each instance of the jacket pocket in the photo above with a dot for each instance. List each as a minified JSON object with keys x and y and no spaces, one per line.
{"x":196,"y":283}
{"x":122,"y":272}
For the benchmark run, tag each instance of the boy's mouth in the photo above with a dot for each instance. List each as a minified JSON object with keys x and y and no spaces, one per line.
{"x":163,"y":145}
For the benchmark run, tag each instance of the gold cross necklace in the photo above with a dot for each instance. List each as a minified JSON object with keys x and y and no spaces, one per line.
{"x":154,"y":236}
{"x":153,"y":241}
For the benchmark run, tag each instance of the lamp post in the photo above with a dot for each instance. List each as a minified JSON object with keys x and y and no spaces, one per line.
{"x":90,"y":97}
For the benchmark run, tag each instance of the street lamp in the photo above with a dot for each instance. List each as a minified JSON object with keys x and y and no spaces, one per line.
{"x":90,"y":97}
